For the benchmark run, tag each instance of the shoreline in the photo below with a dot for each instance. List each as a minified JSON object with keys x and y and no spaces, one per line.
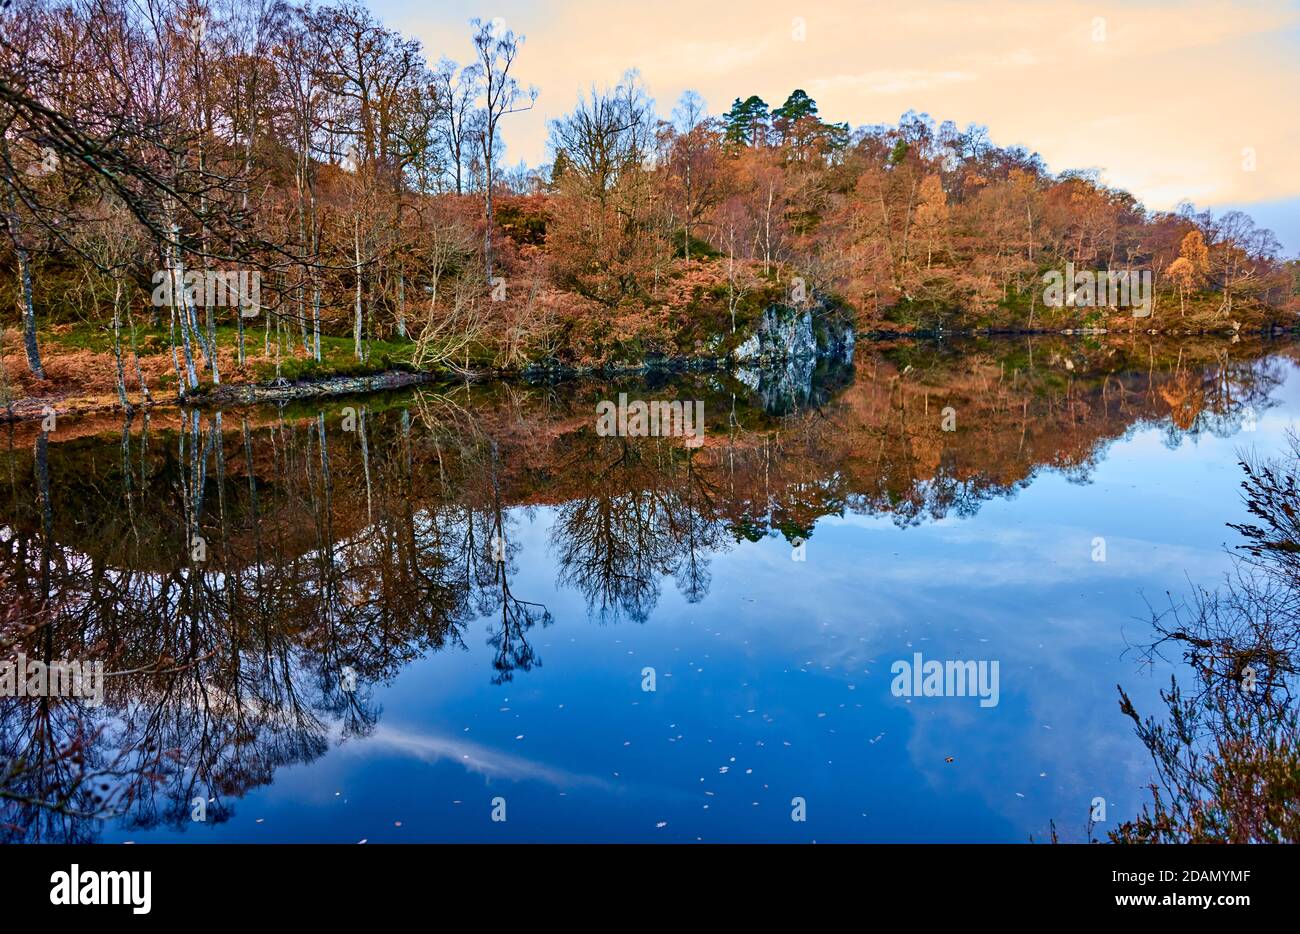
{"x":250,"y":394}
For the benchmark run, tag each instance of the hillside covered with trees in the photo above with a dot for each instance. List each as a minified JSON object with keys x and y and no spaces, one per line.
{"x":363,"y":181}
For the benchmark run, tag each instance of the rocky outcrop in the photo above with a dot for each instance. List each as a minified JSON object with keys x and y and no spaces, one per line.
{"x":791,"y":352}
{"x":784,"y":332}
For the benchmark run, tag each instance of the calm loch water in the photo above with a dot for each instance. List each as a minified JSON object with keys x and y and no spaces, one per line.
{"x":308,"y":631}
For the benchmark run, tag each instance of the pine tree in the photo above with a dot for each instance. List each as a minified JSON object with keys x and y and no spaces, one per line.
{"x":746,"y":122}
{"x":797,"y":106}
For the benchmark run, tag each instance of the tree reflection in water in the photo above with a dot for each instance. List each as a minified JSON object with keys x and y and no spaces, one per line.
{"x":234,"y":569}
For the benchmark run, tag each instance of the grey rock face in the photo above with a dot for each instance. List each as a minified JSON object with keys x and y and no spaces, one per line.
{"x":783,"y":333}
{"x":789,"y":346}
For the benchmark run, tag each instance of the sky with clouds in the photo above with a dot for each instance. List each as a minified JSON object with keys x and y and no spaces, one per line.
{"x":1188,"y":100}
